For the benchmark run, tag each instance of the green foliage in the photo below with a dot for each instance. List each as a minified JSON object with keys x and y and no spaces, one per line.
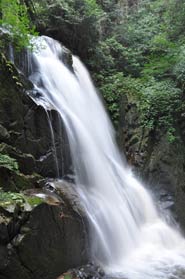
{"x":179,"y":68}
{"x":33,"y":200}
{"x":68,"y":276}
{"x":171,"y":134}
{"x":145,"y":53}
{"x":175,"y":18}
{"x":74,"y":11}
{"x":138,"y":51}
{"x":12,"y":198}
{"x":157,"y":101}
{"x":108,"y":56}
{"x":79,"y":21}
{"x":102,"y":59}
{"x":112,"y":89}
{"x":92,"y":8}
{"x":15,"y":19}
{"x":8,"y":162}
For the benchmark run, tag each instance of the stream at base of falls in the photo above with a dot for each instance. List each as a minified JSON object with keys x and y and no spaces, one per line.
{"x":129,"y":238}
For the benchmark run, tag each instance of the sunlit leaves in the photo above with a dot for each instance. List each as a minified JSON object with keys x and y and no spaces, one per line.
{"x":15,"y":19}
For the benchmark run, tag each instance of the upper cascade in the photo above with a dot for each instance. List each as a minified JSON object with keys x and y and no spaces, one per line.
{"x":128,"y":236}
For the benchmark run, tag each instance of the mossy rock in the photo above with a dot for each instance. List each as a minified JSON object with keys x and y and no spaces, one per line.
{"x":12,"y":181}
{"x":26,"y":162}
{"x":134,"y":140}
{"x":9,"y":201}
{"x":4,"y":134}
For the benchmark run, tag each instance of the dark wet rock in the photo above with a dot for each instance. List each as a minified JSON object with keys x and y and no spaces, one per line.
{"x":43,"y":243}
{"x":67,"y":57}
{"x":4,"y":135}
{"x":26,"y":162}
{"x":58,"y":241}
{"x":10,"y":224}
{"x":156,"y":161}
{"x":26,"y":127}
{"x":14,"y":181}
{"x":89,"y":271}
{"x":4,"y":237}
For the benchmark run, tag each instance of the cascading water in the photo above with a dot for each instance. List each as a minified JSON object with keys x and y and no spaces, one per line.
{"x":128,"y":237}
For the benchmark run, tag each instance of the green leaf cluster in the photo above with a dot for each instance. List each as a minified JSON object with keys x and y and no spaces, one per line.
{"x":112,"y":89}
{"x":158,"y":104}
{"x":12,"y":198}
{"x":8,"y":162}
{"x":15,"y":20}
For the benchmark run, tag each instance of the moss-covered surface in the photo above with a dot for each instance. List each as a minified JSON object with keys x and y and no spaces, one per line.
{"x":13,"y":181}
{"x":9,"y":200}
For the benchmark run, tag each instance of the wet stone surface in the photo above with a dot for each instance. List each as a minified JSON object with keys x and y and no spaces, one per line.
{"x":89,"y":271}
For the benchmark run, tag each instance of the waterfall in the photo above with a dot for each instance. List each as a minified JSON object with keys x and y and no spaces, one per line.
{"x":128,"y":237}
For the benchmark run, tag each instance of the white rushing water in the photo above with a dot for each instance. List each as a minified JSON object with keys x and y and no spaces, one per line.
{"x":128,"y":237}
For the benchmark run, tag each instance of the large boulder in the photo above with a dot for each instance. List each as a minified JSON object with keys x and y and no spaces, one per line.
{"x":45,"y":242}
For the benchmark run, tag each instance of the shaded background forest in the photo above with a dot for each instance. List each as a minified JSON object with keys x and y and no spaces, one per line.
{"x":129,"y":46}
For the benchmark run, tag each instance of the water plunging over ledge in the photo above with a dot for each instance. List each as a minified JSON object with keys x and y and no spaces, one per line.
{"x":128,"y":237}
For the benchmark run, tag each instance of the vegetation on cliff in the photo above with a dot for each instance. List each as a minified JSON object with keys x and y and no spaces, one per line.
{"x":133,"y":47}
{"x":14,"y":18}
{"x":143,"y":57}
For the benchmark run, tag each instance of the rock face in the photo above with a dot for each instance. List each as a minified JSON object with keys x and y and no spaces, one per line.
{"x":26,"y":130}
{"x":52,"y":238}
{"x":159,"y":163}
{"x":43,"y":243}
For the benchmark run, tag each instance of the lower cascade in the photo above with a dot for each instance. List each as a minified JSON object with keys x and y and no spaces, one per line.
{"x":129,"y":238}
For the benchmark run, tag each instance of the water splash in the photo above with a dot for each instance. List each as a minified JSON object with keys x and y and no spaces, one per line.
{"x":128,"y":237}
